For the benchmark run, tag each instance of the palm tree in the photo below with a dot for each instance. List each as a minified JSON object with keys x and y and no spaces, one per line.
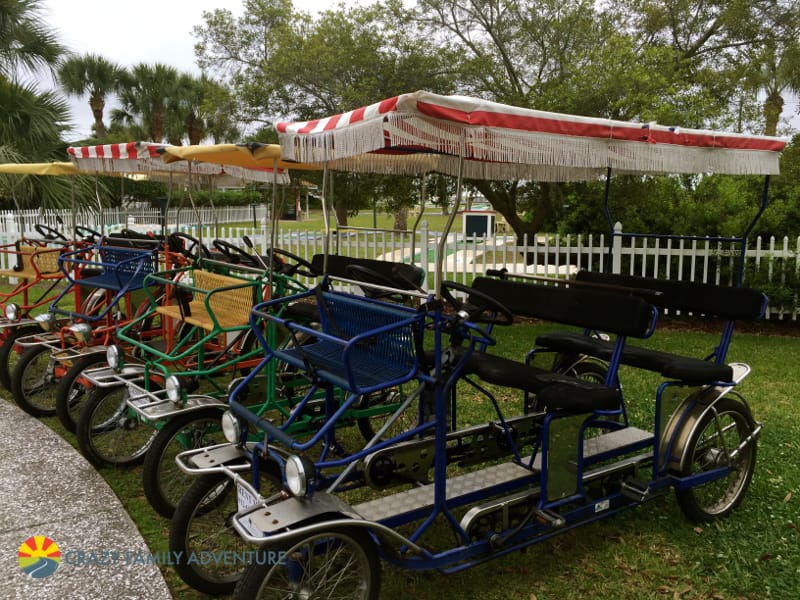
{"x":27,"y":43}
{"x":31,"y":122}
{"x":145,"y":94}
{"x":92,"y":74}
{"x":205,"y":108}
{"x":779,"y":75}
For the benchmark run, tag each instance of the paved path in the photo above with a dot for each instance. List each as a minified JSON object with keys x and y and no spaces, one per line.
{"x":48,"y":489}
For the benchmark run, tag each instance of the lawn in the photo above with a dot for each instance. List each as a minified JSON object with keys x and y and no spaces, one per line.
{"x":649,"y":552}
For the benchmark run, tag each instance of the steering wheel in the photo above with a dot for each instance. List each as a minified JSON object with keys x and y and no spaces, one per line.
{"x":87,"y":235}
{"x":49,"y":233}
{"x":480,"y":309}
{"x":235,"y":254}
{"x":195,"y":249}
{"x":299,"y":266}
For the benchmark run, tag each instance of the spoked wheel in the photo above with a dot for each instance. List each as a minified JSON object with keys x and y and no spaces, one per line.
{"x":111,"y":434}
{"x":72,"y":390}
{"x":10,"y":355}
{"x":710,"y":446}
{"x":383,"y":405}
{"x":33,"y":382}
{"x":588,"y":370}
{"x":163,"y":482}
{"x":340,"y":563}
{"x":203,"y":523}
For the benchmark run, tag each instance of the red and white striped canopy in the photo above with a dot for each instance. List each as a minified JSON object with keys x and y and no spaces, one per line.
{"x":149,"y":158}
{"x":421,"y":131}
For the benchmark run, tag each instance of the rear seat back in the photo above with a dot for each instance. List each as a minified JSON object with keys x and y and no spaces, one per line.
{"x":626,"y":315}
{"x":700,"y":299}
{"x":405,"y":276}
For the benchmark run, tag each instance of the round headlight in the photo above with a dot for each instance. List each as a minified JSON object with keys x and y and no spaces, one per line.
{"x":299,"y":472}
{"x":46,"y":320}
{"x":174,"y":388}
{"x":231,"y":428}
{"x":82,"y":332}
{"x":114,"y":357}
{"x":12,"y":312}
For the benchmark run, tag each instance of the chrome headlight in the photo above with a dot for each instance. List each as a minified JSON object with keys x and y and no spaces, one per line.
{"x":231,"y":427}
{"x":12,"y":312}
{"x":299,"y":472}
{"x":174,"y":388}
{"x":82,"y":332}
{"x":46,"y":321}
{"x":114,"y":357}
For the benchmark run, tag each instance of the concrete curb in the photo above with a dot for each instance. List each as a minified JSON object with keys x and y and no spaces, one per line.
{"x":48,"y":489}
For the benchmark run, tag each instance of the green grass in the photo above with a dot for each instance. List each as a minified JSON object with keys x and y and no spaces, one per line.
{"x":649,"y":552}
{"x":436,"y":221}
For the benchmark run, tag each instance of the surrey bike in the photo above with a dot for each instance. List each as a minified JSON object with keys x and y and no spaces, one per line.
{"x":33,"y":262}
{"x":108,"y":275}
{"x":554,"y":463}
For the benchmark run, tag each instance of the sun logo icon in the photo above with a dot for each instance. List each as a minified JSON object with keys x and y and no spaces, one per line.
{"x":39,"y":556}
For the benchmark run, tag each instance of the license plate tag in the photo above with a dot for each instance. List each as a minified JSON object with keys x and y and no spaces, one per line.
{"x":245,"y":499}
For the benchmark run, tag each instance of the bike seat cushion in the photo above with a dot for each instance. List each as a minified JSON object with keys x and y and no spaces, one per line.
{"x":684,"y":368}
{"x":555,"y":391}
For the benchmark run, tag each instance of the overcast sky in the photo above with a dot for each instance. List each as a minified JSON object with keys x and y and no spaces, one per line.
{"x":153,"y":31}
{"x":128,"y":33}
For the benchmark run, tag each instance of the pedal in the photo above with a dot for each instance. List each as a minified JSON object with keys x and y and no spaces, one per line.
{"x":550,"y":517}
{"x":639,"y":491}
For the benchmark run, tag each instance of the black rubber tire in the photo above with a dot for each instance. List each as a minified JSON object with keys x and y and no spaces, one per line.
{"x":163,"y":482}
{"x":70,"y":392}
{"x":706,"y":450}
{"x":335,"y":553}
{"x":391,"y":400}
{"x":33,"y":388}
{"x":8,"y":356}
{"x":202,"y":522}
{"x":588,"y":370}
{"x":108,"y":432}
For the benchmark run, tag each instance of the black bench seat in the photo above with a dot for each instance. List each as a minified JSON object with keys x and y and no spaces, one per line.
{"x":702,"y":300}
{"x":684,"y":368}
{"x":555,"y":391}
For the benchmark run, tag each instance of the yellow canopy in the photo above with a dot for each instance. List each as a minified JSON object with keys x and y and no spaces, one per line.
{"x":52,"y":168}
{"x":247,"y":156}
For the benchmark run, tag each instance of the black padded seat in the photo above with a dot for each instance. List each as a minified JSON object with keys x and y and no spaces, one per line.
{"x":691,"y":370}
{"x":404,"y":276}
{"x":302,"y":311}
{"x":554,"y":391}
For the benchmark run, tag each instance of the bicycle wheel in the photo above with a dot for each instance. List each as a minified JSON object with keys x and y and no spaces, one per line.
{"x":340,"y":563}
{"x":110,"y":434}
{"x":163,"y":482}
{"x":72,"y":390}
{"x":33,"y":382}
{"x":713,"y":438}
{"x":9,"y":355}
{"x":202,"y":524}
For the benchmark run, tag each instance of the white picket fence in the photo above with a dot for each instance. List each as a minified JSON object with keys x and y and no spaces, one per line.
{"x":549,"y":255}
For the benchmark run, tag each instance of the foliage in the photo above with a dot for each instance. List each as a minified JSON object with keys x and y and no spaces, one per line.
{"x":782,"y":288}
{"x":27,"y":42}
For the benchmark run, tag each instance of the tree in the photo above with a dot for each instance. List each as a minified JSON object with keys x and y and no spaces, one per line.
{"x":27,"y":43}
{"x":31,"y":122}
{"x":93,"y":75}
{"x":204,"y":108}
{"x":145,"y":95}
{"x":283,"y":64}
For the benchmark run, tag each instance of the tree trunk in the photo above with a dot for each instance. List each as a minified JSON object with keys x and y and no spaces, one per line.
{"x":340,"y":208}
{"x":401,"y":218}
{"x":773,"y":107}
{"x":98,"y":107}
{"x":504,"y":200}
